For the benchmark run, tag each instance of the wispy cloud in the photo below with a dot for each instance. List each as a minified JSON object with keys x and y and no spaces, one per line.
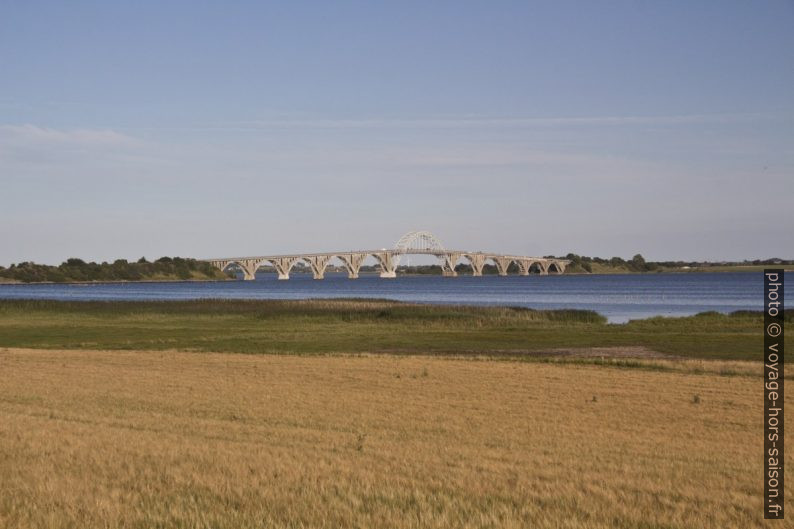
{"x":463,"y":122}
{"x":42,"y":136}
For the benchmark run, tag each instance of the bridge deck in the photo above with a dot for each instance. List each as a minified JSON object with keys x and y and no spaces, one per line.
{"x":388,"y":262}
{"x":392,"y":252}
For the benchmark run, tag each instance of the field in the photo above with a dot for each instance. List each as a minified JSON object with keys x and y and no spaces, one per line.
{"x":372,"y":414}
{"x":169,"y":439}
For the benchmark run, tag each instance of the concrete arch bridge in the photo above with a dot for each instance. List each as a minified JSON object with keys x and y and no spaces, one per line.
{"x":387,"y":260}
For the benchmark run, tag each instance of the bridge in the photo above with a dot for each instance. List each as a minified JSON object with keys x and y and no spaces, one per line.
{"x":387,"y":260}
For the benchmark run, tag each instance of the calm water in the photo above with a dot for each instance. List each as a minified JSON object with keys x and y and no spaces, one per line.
{"x":618,"y":297}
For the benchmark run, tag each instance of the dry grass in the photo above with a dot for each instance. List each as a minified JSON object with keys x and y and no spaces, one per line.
{"x":167,"y":439}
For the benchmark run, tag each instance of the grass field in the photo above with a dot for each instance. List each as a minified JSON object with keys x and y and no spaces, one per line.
{"x":349,"y":326}
{"x":167,"y":439}
{"x":354,"y":413}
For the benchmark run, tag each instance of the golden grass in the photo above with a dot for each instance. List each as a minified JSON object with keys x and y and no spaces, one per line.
{"x":168,"y":439}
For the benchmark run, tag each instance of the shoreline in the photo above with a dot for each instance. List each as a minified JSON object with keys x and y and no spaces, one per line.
{"x":744,"y":270}
{"x":114,"y":282}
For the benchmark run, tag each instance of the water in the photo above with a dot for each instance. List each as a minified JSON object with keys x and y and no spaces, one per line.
{"x":618,"y":297}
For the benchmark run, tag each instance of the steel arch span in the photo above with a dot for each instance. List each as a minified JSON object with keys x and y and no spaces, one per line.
{"x":418,"y":240}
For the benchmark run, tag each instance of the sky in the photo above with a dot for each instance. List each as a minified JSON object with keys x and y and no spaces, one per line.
{"x":213,"y":129}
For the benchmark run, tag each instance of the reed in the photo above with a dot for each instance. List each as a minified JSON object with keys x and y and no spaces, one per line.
{"x":365,"y":326}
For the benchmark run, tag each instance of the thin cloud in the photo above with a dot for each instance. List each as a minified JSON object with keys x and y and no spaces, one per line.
{"x":34,"y":135}
{"x":464,"y":122}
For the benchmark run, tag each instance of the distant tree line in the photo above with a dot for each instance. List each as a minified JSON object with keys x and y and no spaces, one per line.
{"x":74,"y":269}
{"x":581,"y":263}
{"x":584,"y":264}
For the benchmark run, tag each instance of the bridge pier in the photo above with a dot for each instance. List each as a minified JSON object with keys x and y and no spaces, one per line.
{"x":448,"y":263}
{"x":352,"y":262}
{"x":386,"y":263}
{"x":249,"y":267}
{"x":523,"y":266}
{"x":318,"y":264}
{"x":502,"y":263}
{"x":477,"y":262}
{"x":283,"y":266}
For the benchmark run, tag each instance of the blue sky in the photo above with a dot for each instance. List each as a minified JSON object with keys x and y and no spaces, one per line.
{"x":237,"y":128}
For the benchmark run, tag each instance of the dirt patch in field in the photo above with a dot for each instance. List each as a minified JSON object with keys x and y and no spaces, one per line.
{"x":623,"y":351}
{"x":603,"y":352}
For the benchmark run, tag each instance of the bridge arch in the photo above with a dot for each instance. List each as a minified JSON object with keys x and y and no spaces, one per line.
{"x":418,"y":240}
{"x":351,"y":261}
{"x":423,"y":242}
{"x":223,"y":266}
{"x":247,"y":266}
{"x":502,"y":264}
{"x":556,"y":267}
{"x":536,"y":267}
{"x":476,"y":262}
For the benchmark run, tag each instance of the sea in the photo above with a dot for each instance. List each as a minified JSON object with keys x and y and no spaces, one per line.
{"x":620,"y":297}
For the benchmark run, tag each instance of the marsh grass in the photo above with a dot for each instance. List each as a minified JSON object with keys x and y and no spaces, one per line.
{"x":356,"y":325}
